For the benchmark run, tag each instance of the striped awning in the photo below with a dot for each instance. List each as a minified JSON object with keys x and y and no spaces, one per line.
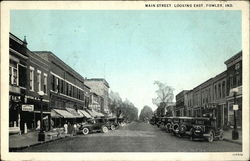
{"x":58,"y":113}
{"x":84,"y":113}
{"x":74,"y":113}
{"x":95,"y":113}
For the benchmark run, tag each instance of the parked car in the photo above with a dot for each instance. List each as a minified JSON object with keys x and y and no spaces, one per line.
{"x":206,"y":128}
{"x":112,"y":123}
{"x":185,"y":126}
{"x":168,"y":124}
{"x":95,"y":125}
{"x":175,"y":125}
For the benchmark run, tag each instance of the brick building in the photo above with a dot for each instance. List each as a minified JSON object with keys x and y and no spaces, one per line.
{"x":234,"y":82}
{"x":100,"y":87}
{"x":181,"y":108}
{"x":17,"y":80}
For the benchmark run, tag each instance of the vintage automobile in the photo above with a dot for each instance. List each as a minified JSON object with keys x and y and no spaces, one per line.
{"x":175,"y":125}
{"x":185,"y":126}
{"x":96,"y":125}
{"x":112,"y":123}
{"x":206,"y":128}
{"x":168,"y":124}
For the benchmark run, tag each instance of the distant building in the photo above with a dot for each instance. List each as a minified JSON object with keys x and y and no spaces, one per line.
{"x":181,"y":107}
{"x":100,"y":87}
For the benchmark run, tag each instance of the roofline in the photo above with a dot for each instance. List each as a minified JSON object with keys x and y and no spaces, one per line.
{"x":56,"y":57}
{"x":233,"y":57}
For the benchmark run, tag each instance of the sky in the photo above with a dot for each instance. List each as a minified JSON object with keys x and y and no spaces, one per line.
{"x":132,"y":49}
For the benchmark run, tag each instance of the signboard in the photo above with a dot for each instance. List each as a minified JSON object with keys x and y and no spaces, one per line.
{"x":27,"y":107}
{"x":235,"y":107}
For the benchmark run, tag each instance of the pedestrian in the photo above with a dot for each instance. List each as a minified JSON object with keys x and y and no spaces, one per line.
{"x":75,"y":129}
{"x":70,"y":128}
{"x":66,"y":128}
{"x":38,"y":125}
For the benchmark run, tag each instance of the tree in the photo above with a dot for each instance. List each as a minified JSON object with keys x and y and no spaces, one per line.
{"x":165,"y":95}
{"x":121,"y":108}
{"x":146,"y":113}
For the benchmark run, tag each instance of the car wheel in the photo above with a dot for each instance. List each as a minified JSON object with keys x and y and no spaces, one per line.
{"x":105,"y":129}
{"x":112,"y":127}
{"x":221,"y":137}
{"x":85,"y":131}
{"x":211,"y":136}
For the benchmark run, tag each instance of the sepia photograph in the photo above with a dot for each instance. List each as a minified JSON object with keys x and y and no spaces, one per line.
{"x":90,"y":79}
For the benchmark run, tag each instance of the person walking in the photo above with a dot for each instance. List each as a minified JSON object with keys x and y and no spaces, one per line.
{"x":65,"y":128}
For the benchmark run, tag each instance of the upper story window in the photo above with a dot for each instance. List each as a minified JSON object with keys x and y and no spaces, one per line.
{"x":57,"y":84}
{"x":237,"y":66}
{"x":31,"y":78}
{"x":53,"y":82}
{"x":13,"y":73}
{"x":45,"y":86}
{"x":39,"y":82}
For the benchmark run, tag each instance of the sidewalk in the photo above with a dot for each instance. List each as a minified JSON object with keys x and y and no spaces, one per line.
{"x":228,"y":136}
{"x":18,"y":142}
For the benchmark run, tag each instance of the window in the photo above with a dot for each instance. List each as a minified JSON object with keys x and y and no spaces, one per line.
{"x":39,"y":80}
{"x":62,"y":86}
{"x":219,"y":90}
{"x":56,"y":84}
{"x":238,"y":81}
{"x":53,"y":83}
{"x":231,"y":82}
{"x":45,"y":83}
{"x":31,"y":78}
{"x":223,"y":89}
{"x":13,"y":73}
{"x":69,"y":88}
{"x":215,"y":92}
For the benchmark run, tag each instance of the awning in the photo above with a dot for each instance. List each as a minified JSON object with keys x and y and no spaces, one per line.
{"x":95,"y":114}
{"x":61,"y":114}
{"x":84,"y":113}
{"x":73,"y":112}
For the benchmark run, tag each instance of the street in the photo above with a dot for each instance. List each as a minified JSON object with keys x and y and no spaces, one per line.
{"x":135,"y":137}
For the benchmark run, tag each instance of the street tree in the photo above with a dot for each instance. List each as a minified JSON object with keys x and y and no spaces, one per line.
{"x":165,"y":95}
{"x":146,"y":113}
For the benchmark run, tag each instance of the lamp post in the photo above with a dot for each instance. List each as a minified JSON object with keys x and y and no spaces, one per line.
{"x":235,"y":133}
{"x":41,"y":135}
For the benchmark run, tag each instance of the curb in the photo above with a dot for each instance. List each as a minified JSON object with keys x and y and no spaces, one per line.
{"x":231,"y":141}
{"x":15,"y":149}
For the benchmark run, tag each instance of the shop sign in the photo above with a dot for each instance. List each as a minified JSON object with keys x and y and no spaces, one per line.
{"x":235,"y":107}
{"x":27,"y":107}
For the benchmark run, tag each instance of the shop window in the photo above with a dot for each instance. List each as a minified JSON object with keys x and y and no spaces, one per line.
{"x":45,"y":77}
{"x":31,"y":78}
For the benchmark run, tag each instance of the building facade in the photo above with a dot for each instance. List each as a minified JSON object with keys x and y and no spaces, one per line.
{"x":100,"y":87}
{"x":216,"y":96}
{"x":181,"y":108}
{"x":234,"y":83}
{"x":18,"y":58}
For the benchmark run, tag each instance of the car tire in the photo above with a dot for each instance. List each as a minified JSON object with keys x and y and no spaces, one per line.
{"x":105,"y":129}
{"x":221,"y":137}
{"x":85,"y":131}
{"x":211,"y":136}
{"x":112,"y":127}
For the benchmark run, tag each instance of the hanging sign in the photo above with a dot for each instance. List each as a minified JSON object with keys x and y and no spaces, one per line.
{"x":235,"y":107}
{"x":27,"y":107}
